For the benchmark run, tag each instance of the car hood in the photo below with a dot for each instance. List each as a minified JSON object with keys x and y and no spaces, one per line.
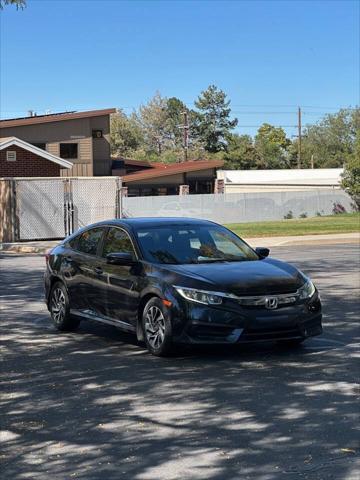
{"x":255,"y":277}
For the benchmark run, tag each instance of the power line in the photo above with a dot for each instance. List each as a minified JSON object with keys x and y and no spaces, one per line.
{"x":261,"y":124}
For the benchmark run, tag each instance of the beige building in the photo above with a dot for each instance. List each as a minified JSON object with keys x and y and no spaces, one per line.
{"x":246,"y":181}
{"x":162,"y":179}
{"x":82,"y":138}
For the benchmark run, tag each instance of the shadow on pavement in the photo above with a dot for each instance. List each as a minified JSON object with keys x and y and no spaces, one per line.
{"x":94,"y":405}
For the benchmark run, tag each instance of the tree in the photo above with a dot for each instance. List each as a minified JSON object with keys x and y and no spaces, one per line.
{"x":213,"y":122}
{"x":153,"y":118}
{"x":126,"y":135}
{"x":272,"y":146}
{"x":175,"y":119}
{"x":331,"y":142}
{"x":351,"y":176}
{"x":241,"y":153}
{"x":18,"y":3}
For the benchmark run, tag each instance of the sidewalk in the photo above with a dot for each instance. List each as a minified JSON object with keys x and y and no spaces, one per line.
{"x":42,"y":247}
{"x":328,"y":239}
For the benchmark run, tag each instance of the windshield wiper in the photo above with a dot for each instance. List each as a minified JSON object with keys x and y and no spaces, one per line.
{"x":212,"y":260}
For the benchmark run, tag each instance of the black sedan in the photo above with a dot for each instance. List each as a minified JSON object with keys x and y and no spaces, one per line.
{"x":178,"y":280}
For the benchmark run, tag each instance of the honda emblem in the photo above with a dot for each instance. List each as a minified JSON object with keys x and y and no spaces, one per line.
{"x":271,"y":303}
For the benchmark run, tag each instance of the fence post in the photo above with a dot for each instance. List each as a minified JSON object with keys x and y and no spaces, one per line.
{"x":184,"y":190}
{"x":68,"y":207}
{"x":123,"y":192}
{"x":219,"y":186}
{"x":15,"y":211}
{"x":117,"y":198}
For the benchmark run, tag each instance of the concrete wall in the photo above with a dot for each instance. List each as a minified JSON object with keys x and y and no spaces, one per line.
{"x":239,"y":207}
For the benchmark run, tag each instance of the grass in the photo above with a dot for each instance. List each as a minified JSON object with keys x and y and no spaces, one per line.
{"x":344,"y":223}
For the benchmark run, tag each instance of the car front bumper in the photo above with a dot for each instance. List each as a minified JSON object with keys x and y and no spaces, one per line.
{"x":205,"y":324}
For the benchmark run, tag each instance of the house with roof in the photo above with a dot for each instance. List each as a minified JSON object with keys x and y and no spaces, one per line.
{"x":22,"y":159}
{"x":144,"y":178}
{"x":81,"y":139}
{"x":77,"y":144}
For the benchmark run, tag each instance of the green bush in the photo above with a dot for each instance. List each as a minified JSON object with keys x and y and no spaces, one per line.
{"x":289,"y":215}
{"x":351,"y":179}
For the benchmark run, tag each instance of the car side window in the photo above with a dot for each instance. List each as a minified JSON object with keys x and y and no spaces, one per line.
{"x":117,"y":241}
{"x":89,"y":240}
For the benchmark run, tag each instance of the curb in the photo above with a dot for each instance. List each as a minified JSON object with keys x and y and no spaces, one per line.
{"x":329,"y":239}
{"x":26,"y":249}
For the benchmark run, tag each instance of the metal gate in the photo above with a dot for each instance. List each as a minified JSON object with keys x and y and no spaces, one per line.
{"x":40,"y":208}
{"x":54,"y":208}
{"x":93,"y":200}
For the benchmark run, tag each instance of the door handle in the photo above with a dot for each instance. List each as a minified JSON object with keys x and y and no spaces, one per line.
{"x":98,"y":270}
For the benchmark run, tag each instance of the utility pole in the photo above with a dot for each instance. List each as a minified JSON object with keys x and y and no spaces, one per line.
{"x":186,"y":135}
{"x":299,"y":137}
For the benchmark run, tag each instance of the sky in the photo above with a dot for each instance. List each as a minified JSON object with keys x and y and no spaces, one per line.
{"x":268,"y":56}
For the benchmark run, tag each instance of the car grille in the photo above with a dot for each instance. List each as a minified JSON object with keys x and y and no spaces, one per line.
{"x":249,"y":335}
{"x":260,"y":300}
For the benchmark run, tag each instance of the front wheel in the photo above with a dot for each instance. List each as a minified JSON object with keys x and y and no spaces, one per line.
{"x":157,"y":328}
{"x":59,"y":307}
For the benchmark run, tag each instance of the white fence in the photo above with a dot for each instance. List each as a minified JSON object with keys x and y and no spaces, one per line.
{"x":239,"y":207}
{"x":55,"y":207}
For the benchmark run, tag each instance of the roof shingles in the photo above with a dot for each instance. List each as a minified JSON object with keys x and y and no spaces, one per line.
{"x":57,"y":117}
{"x":172,"y":169}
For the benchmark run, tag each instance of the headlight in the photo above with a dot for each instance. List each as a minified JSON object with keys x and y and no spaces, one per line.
{"x":201,"y":296}
{"x":307,"y":290}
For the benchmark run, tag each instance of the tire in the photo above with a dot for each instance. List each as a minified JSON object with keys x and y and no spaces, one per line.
{"x":59,"y":307}
{"x":157,"y":328}
{"x":292,"y":342}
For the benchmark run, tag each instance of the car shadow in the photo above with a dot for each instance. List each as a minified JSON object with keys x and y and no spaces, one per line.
{"x":93,"y":404}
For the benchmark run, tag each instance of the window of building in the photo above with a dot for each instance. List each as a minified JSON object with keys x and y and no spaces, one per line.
{"x":11,"y":156}
{"x":89,"y":240}
{"x":97,"y":133}
{"x":40,"y":145}
{"x":68,"y":150}
{"x":117,"y":241}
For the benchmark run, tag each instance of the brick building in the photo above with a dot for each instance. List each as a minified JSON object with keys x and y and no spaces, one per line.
{"x":21,"y":159}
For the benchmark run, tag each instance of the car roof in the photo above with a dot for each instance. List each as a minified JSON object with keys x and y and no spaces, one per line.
{"x":139,"y":222}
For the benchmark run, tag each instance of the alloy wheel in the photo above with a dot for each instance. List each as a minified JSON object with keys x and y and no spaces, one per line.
{"x":58,"y":305}
{"x":155,"y":327}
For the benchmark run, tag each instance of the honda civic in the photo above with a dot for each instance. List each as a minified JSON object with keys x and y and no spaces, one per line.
{"x":178,"y":281}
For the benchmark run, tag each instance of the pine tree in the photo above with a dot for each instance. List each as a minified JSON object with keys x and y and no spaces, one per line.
{"x":213,"y":122}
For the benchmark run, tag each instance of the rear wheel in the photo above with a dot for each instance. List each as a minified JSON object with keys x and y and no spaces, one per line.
{"x":157,"y":328}
{"x":59,"y":306}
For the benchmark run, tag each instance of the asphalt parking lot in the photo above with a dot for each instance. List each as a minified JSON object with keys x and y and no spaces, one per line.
{"x":95,"y":405}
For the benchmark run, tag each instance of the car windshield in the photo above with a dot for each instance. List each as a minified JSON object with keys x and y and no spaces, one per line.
{"x":180,"y":244}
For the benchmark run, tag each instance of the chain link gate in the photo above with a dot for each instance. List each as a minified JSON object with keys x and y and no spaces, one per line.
{"x":40,"y":208}
{"x":54,"y":208}
{"x":93,"y":200}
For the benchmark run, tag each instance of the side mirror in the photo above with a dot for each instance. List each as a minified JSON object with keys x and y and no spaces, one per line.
{"x":262,"y":252}
{"x":125,"y":259}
